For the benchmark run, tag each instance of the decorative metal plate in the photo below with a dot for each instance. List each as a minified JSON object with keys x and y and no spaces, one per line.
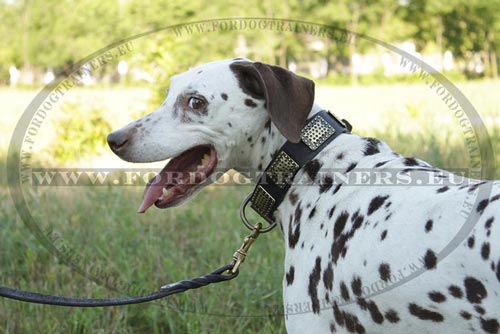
{"x":282,"y":169}
{"x":316,"y":132}
{"x":262,"y":202}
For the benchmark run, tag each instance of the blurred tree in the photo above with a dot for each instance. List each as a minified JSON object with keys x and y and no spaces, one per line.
{"x":474,"y":27}
{"x":380,"y":19}
{"x":463,"y":26}
{"x":57,"y":33}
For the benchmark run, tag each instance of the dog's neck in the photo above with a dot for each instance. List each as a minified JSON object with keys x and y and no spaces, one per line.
{"x":262,"y":147}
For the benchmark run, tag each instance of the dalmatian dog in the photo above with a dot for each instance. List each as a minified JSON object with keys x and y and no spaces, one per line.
{"x":375,"y":258}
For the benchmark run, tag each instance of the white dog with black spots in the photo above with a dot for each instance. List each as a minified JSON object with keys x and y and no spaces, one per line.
{"x":341,"y":240}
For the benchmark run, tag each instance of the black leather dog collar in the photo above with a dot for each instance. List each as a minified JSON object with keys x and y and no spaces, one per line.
{"x":273,"y":184}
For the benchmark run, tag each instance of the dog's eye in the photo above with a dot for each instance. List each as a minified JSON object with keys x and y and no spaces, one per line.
{"x":196,"y":103}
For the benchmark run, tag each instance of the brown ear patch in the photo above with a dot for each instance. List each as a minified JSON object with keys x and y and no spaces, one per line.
{"x":288,"y":97}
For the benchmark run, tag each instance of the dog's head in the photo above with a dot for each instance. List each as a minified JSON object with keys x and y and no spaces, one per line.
{"x":206,"y":120}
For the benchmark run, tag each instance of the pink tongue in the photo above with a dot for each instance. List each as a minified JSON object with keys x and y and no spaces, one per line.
{"x":153,"y":191}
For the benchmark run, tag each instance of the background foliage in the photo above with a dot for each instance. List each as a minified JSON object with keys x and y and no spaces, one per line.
{"x":55,"y":34}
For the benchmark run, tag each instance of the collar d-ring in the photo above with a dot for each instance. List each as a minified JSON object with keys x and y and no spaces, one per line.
{"x":245,"y":221}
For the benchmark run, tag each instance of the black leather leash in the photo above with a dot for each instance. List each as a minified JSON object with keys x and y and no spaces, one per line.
{"x":318,"y":132}
{"x":222,"y":274}
{"x":167,"y":290}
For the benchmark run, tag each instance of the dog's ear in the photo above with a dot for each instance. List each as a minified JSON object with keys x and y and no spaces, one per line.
{"x":289,"y":97}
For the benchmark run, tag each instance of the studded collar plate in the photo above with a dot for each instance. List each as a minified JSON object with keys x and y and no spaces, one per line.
{"x":273,"y":184}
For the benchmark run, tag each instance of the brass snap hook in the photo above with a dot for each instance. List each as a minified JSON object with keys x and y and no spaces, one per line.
{"x":240,"y":255}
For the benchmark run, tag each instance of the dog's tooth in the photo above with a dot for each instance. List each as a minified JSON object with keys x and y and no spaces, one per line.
{"x":165,"y":192}
{"x":205,"y":160}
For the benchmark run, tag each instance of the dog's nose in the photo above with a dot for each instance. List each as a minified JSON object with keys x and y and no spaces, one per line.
{"x":118,"y":140}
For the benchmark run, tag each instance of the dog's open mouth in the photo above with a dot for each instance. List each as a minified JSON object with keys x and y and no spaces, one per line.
{"x":180,"y":178}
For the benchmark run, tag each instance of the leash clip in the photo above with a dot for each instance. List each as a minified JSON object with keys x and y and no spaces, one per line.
{"x":240,"y":255}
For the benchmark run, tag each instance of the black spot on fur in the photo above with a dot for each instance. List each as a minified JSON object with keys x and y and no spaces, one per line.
{"x":340,"y":156}
{"x":250,"y":103}
{"x":199,"y":72}
{"x":224,"y":96}
{"x":312,"y":168}
{"x":249,"y":139}
{"x":443,"y":189}
{"x":498,"y":270}
{"x":340,"y":224}
{"x":356,"y":285}
{"x":290,"y":275}
{"x":437,"y":297}
{"x":229,"y":124}
{"x":466,"y":315}
{"x":347,"y":320}
{"x":479,"y":309}
{"x":293,"y":197}
{"x":351,"y":167}
{"x":383,"y":235}
{"x":338,"y":247}
{"x":470,"y":242}
{"x":475,"y":186}
{"x":410,"y":162}
{"x":313,"y":211}
{"x":430,"y":259}
{"x":490,"y":326}
{"x":421,"y":169}
{"x":337,"y":188}
{"x":377,"y":317}
{"x":339,"y":317}
{"x":489,"y":222}
{"x":424,"y":314}
{"x":428,"y":226}
{"x":474,"y":290}
{"x":326,"y":184}
{"x":371,"y":147}
{"x":268,"y":125}
{"x":482,"y":205}
{"x":380,"y":164}
{"x":328,"y":277}
{"x":371,"y":307}
{"x":455,"y":291}
{"x":330,"y":213}
{"x":344,"y":292}
{"x":293,"y":236}
{"x":392,"y":316}
{"x":314,"y":278}
{"x":376,"y":203}
{"x":485,"y":251}
{"x":385,"y":272}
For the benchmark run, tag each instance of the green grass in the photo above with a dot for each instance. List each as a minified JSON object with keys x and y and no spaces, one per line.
{"x":127,"y":253}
